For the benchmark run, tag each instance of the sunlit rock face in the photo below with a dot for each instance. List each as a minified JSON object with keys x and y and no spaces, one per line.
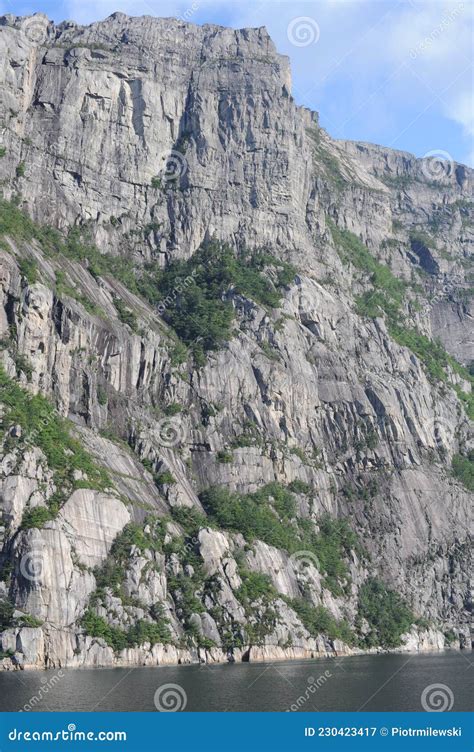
{"x":157,"y":136}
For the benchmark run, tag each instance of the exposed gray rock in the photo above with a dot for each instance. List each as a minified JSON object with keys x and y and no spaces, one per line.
{"x":93,"y":114}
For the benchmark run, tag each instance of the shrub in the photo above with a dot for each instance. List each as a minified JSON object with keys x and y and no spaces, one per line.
{"x":63,"y":288}
{"x":28,"y":270}
{"x":255,"y":587}
{"x":166,"y":478}
{"x":125,"y":314}
{"x":450,"y":637}
{"x":269,"y":515}
{"x":317,"y":620}
{"x":111,"y":573}
{"x":463,"y":469}
{"x":27,"y":620}
{"x":354,"y":251}
{"x":386,"y":297}
{"x":190,"y":519}
{"x":23,"y":365}
{"x":194,"y":293}
{"x":36,"y":517}
{"x":102,"y":398}
{"x":42,"y":426}
{"x":386,"y":612}
{"x":331,"y":546}
{"x":224,"y":457}
{"x":193,"y":296}
{"x":6,"y":614}
{"x":3,"y":151}
{"x":249,"y":515}
{"x":185,"y":593}
{"x":432,"y":354}
{"x":20,"y":170}
{"x":299,"y":487}
{"x":173,"y":409}
{"x":257,"y":596}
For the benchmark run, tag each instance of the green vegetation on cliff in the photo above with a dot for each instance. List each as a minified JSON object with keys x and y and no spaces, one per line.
{"x":194,"y":296}
{"x":463,"y":469}
{"x":385,"y":614}
{"x":41,"y":426}
{"x":269,"y":515}
{"x":386,"y":298}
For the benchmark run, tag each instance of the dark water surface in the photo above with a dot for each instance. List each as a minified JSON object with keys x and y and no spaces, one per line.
{"x":383,"y":682}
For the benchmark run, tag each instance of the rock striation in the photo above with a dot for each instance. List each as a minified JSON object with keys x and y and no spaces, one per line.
{"x":154,"y":137}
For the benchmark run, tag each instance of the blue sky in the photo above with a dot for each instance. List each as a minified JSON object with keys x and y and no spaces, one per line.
{"x":398,"y":73}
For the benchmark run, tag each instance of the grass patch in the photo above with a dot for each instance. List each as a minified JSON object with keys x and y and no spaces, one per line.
{"x":125,"y":314}
{"x":353,"y":251}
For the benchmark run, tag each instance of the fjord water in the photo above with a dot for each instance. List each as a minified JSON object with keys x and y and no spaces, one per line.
{"x":369,"y":683}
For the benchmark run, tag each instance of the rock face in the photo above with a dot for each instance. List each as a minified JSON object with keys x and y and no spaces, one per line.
{"x":157,"y":136}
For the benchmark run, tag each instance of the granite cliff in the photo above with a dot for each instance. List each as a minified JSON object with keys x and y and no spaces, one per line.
{"x":236,"y":361}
